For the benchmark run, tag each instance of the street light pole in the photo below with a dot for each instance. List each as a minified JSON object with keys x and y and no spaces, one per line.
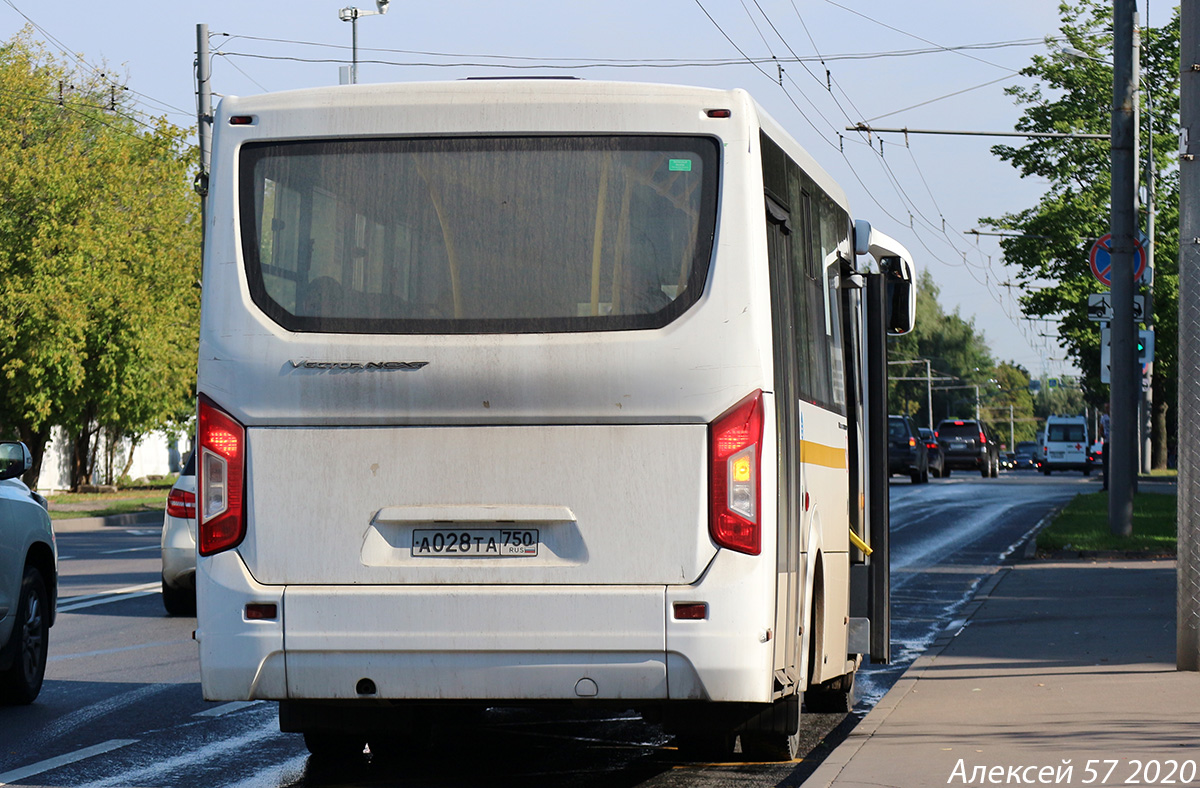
{"x":351,"y":15}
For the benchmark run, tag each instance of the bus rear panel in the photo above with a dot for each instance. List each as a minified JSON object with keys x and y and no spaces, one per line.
{"x":492,"y":406}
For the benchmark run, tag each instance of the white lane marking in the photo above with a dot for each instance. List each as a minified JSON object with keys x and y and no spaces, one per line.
{"x":64,"y":760}
{"x":228,"y":708}
{"x":146,"y":549}
{"x":154,"y":773}
{"x":126,"y":590}
{"x":116,"y":595}
{"x":103,"y":652}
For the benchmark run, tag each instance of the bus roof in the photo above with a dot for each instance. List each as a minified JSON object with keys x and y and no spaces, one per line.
{"x":520,"y":105}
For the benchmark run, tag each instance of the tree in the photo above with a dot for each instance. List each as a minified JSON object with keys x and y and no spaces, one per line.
{"x":1051,"y":254}
{"x":959,"y":362}
{"x":99,"y":256}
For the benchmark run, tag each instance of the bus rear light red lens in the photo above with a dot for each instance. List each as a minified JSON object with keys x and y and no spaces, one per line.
{"x":691,"y":611}
{"x":719,"y":113}
{"x":220,"y":480}
{"x":181,"y":503}
{"x":261,"y":611}
{"x":735,"y":477}
{"x":241,"y":120}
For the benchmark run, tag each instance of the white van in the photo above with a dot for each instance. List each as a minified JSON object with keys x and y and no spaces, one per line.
{"x":538,"y":391}
{"x":1065,"y":445}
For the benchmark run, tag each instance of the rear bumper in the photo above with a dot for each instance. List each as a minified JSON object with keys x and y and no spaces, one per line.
{"x":488,"y":643}
{"x":1068,"y":466}
{"x":964,"y":462}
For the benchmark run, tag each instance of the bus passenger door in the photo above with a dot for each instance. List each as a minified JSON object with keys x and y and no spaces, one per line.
{"x":788,"y":607}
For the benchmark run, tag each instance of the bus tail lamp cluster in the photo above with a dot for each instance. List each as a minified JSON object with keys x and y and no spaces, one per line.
{"x":221,"y":474}
{"x":735,"y":477}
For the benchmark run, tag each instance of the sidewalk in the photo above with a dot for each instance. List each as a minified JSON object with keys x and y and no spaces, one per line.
{"x":1059,"y":664}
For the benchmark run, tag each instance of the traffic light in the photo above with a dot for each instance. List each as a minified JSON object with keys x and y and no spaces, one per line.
{"x":1145,"y":346}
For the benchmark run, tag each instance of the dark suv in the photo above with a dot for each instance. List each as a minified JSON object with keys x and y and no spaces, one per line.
{"x":969,"y":445}
{"x":906,"y":450}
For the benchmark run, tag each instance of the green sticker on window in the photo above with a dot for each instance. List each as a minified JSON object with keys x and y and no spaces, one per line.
{"x":680,"y":165}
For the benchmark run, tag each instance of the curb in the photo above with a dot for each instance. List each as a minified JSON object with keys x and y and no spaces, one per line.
{"x":831,"y":768}
{"x":77,"y":524}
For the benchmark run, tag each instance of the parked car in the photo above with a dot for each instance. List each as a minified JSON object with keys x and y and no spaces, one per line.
{"x":28,"y":579}
{"x":179,"y":544}
{"x":969,"y":445}
{"x":1026,"y":455}
{"x":937,"y":463}
{"x":906,"y":450}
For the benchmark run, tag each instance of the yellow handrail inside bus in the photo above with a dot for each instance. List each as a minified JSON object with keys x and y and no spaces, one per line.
{"x":598,"y":240}
{"x":859,"y":543}
{"x":447,"y":238}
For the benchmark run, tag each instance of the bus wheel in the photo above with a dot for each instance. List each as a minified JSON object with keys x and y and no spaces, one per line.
{"x":835,"y":696}
{"x":775,"y":736}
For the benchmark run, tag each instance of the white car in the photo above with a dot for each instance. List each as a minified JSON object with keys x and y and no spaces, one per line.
{"x":179,"y":544}
{"x":28,"y":579}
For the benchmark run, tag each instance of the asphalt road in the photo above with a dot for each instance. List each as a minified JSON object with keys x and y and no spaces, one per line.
{"x":121,"y":705}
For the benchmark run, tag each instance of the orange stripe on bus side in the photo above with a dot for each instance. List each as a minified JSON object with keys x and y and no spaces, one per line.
{"x":820,"y":454}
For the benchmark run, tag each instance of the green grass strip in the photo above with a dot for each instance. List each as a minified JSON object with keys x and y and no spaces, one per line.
{"x":1083,"y":525}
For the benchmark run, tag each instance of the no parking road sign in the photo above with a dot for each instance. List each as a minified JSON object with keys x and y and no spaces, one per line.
{"x":1100,"y":260}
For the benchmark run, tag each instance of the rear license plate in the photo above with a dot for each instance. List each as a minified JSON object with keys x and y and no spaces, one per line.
{"x":475,"y":543}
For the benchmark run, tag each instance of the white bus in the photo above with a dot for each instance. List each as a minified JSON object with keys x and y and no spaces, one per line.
{"x":521,"y":392}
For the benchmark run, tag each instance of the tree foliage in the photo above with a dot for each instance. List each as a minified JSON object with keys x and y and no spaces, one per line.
{"x":99,"y":257}
{"x":960,"y":364}
{"x":1071,"y":94}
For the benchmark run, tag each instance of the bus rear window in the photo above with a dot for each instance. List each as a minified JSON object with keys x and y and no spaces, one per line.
{"x":478,"y":235}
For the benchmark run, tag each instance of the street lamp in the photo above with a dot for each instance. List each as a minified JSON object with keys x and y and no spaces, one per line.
{"x":351,"y":15}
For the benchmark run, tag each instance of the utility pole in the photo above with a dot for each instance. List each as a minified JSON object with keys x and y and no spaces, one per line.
{"x":1187,"y":603}
{"x":1126,"y":373}
{"x":204,"y":124}
{"x":1147,"y":416}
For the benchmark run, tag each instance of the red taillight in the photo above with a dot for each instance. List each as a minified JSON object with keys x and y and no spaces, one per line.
{"x":220,"y":480}
{"x":735,"y":477}
{"x":181,"y":503}
{"x":982,"y":440}
{"x":912,"y":443}
{"x":691,"y":611}
{"x":262,"y":611}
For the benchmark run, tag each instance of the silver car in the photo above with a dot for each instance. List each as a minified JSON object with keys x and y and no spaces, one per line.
{"x":28,"y":579}
{"x":179,"y":544}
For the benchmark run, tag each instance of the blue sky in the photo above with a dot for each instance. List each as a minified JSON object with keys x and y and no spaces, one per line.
{"x":945,"y":183}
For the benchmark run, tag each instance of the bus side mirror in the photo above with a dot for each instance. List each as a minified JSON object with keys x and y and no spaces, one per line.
{"x":862,"y":237}
{"x":901,"y":295}
{"x":900,"y":306}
